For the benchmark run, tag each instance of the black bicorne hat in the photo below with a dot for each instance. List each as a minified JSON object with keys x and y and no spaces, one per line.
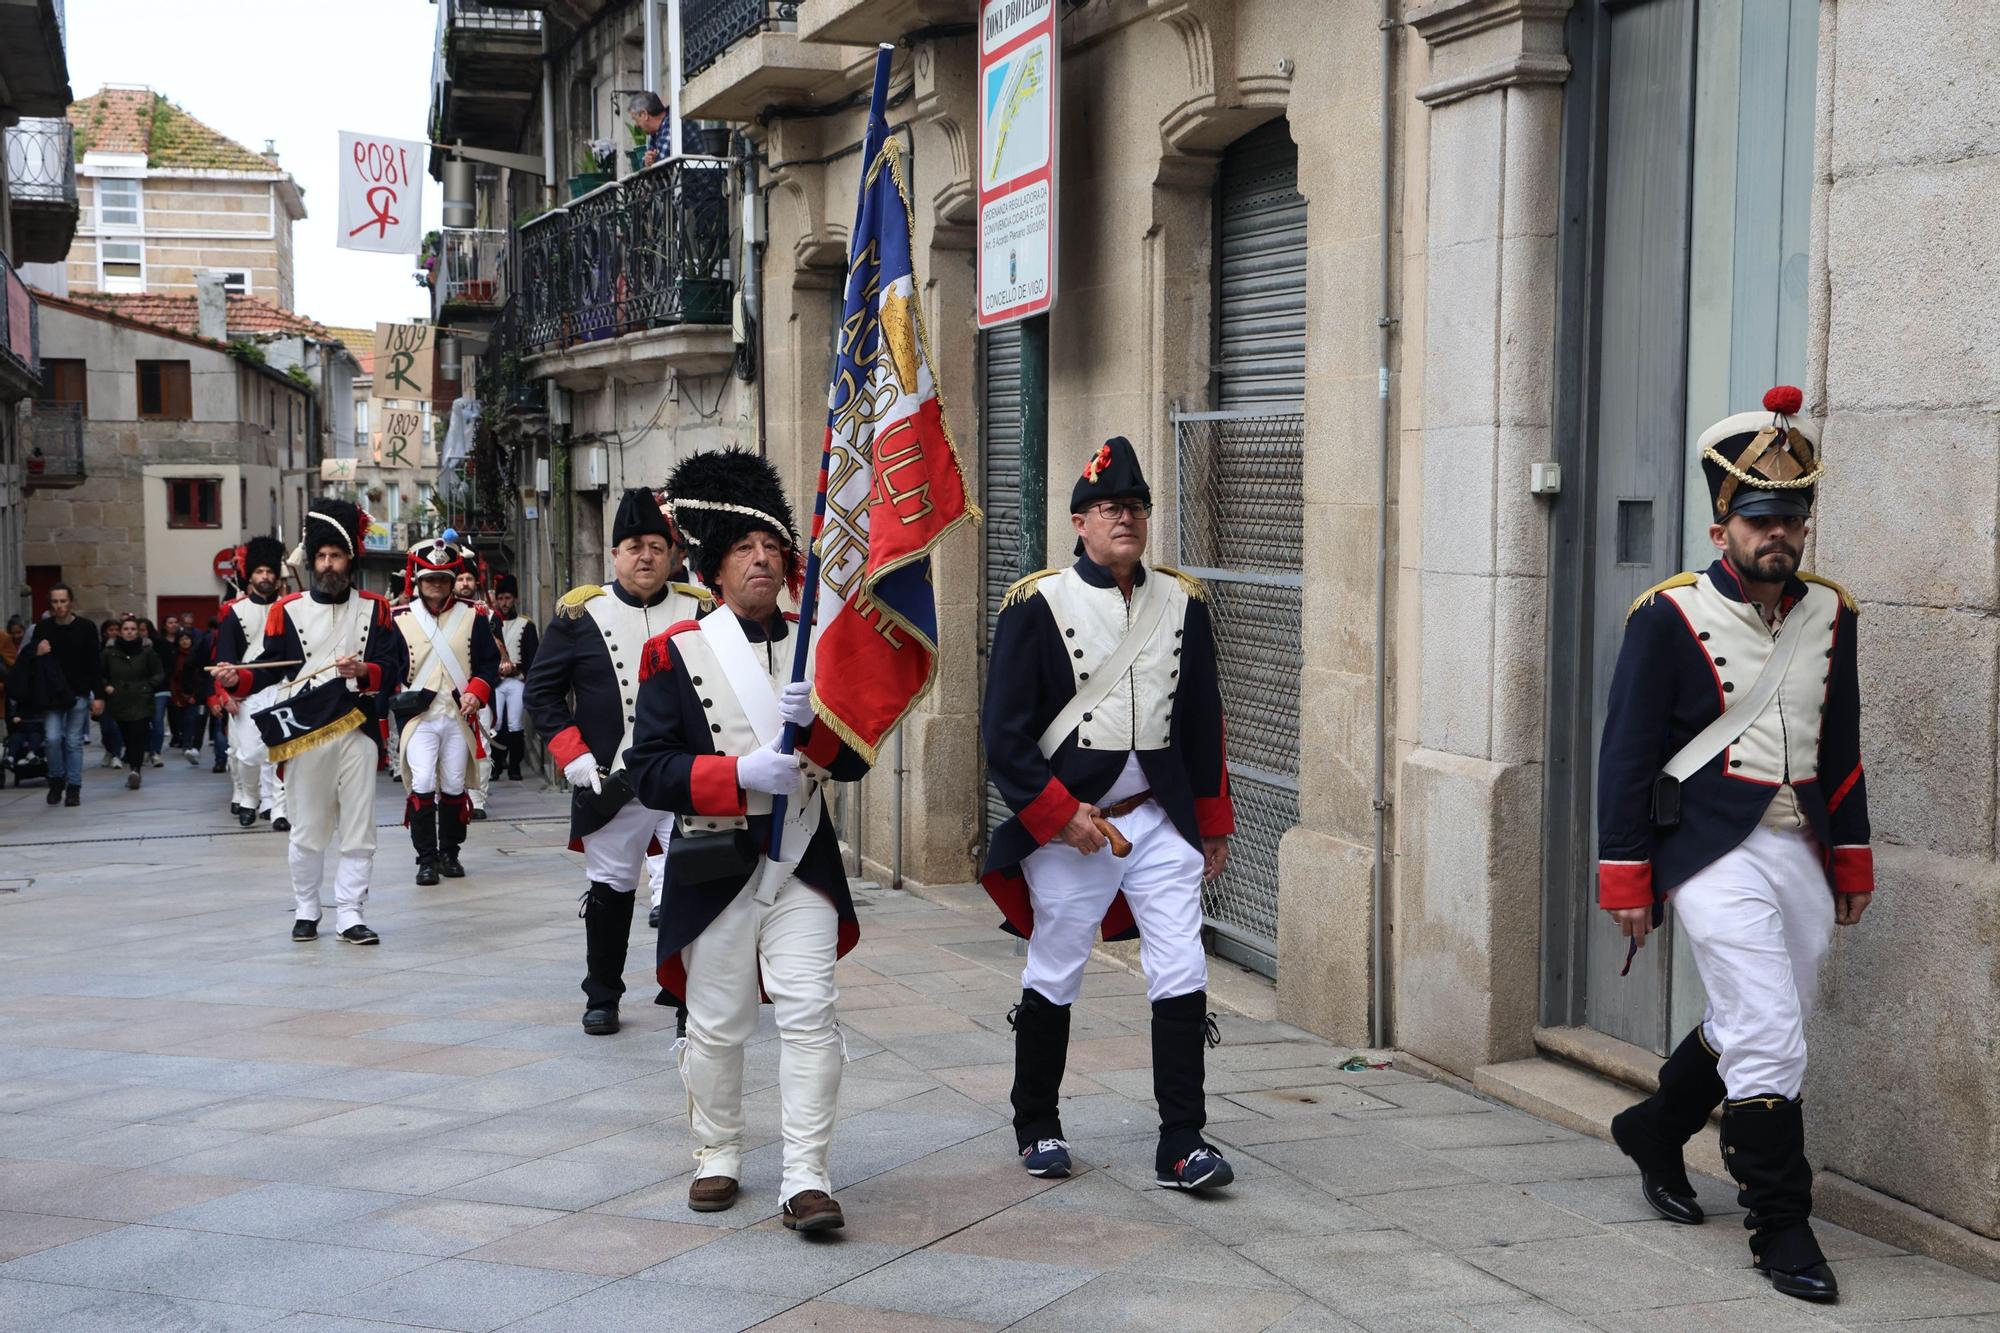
{"x":1762,"y":462}
{"x":640,"y":514}
{"x":719,"y":496}
{"x":1113,"y":473}
{"x":338,"y":523}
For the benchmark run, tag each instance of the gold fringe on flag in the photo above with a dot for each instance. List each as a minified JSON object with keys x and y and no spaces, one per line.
{"x":312,"y":740}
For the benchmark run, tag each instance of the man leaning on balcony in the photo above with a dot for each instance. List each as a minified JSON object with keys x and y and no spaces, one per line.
{"x":649,"y":113}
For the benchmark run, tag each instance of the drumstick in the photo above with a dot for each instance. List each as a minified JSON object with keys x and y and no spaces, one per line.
{"x":217,"y":670}
{"x":1121,"y":846}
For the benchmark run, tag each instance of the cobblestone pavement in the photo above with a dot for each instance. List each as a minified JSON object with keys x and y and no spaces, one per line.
{"x":203,"y":1125}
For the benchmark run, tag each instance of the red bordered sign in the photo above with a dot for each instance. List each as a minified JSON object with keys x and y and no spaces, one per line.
{"x":1020,"y":55}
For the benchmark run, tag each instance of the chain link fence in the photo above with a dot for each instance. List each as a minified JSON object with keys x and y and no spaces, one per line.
{"x":1240,"y":509}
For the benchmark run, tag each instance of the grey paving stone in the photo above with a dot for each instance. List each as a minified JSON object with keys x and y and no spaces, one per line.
{"x":632,"y":1306}
{"x":553,"y":1183}
{"x":1617,"y":1199}
{"x":462,"y":1294}
{"x":1769,"y":1313}
{"x":1575,"y":1275}
{"x":1525,"y":1163}
{"x":774,"y":1263}
{"x":1486,"y":1129}
{"x":1297,"y":1101}
{"x":437,"y":1227}
{"x":1459,"y":1217}
{"x":1368,"y":1275}
{"x":279,"y":1210}
{"x":420,"y":1169}
{"x":129,"y":1105}
{"x":1117,"y":1302}
{"x":25,"y":1133}
{"x":135,"y":1145}
{"x":260,"y":1113}
{"x":1363,"y":1164}
{"x":1908,"y":1287}
{"x":242,"y":1270}
{"x":269,"y":1157}
{"x":963,"y":1286}
{"x":40,"y":1305}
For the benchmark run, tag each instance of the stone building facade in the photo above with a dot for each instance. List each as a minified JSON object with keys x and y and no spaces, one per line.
{"x":162,"y":493}
{"x":1444,"y":289}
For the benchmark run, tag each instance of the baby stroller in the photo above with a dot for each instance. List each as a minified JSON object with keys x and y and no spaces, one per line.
{"x":27,"y":757}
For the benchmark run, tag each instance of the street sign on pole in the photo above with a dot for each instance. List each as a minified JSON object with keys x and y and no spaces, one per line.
{"x":1020,"y":47}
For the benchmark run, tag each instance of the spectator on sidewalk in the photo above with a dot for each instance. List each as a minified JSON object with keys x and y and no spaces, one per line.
{"x":71,"y":642}
{"x":132,"y":676}
{"x":190,"y":686}
{"x":156,"y":733}
{"x":107,"y":726}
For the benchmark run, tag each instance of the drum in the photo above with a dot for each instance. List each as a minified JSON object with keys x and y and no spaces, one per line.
{"x":310,"y":718}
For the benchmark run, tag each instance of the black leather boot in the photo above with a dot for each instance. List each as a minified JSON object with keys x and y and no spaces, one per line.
{"x":607,"y":924}
{"x":1182,"y":1030}
{"x":514,"y":744}
{"x":1764,"y":1147}
{"x":1041,"y":1052}
{"x":451,"y":835}
{"x":422,"y":817}
{"x":1653,"y":1132}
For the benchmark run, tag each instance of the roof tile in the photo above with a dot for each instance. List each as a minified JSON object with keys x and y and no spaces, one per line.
{"x":137,"y":120}
{"x":248,"y":315}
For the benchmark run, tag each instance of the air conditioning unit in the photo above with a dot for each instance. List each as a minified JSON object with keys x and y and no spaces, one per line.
{"x":592,"y":465}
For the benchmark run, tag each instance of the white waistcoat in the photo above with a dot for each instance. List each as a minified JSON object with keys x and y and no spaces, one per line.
{"x":252,"y":616}
{"x":1782,"y":744}
{"x":625,"y":629}
{"x":729,"y":726}
{"x":327,"y":632}
{"x":1138,"y":713}
{"x":427,"y":669}
{"x":511,"y":633}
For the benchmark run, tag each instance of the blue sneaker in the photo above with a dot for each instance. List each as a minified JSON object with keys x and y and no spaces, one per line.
{"x":1202,"y":1169}
{"x":1048,"y":1158}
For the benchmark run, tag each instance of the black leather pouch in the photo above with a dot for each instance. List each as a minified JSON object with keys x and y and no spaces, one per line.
{"x":409,"y":704}
{"x":720,"y":856}
{"x":1666,"y":801}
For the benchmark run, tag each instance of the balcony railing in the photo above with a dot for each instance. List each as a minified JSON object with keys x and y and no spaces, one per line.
{"x":20,"y":324}
{"x":649,"y":251}
{"x":54,"y":445}
{"x":710,"y":27}
{"x":41,"y":162}
{"x":472,"y":268}
{"x":483,"y":17}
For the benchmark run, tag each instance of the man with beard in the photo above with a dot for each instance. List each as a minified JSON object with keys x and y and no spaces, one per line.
{"x":1730,"y":784}
{"x":331,"y":634}
{"x":583,"y":695}
{"x":454,"y":667}
{"x":253,"y":776}
{"x":518,"y":641}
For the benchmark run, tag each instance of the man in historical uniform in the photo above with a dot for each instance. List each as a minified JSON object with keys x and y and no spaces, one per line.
{"x":470,"y":588}
{"x":1730,"y":784}
{"x":717,"y":700}
{"x":583,"y":694}
{"x":1103,"y":717}
{"x":254,"y":779}
{"x":338,"y":650}
{"x":453,"y":672}
{"x":518,"y":641}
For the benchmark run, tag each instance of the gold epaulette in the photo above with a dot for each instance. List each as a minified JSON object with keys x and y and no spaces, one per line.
{"x":702,"y":596}
{"x":1846,"y":597}
{"x":1191,"y":585}
{"x":570,"y":605}
{"x":1023,"y":589}
{"x":1680,"y":580}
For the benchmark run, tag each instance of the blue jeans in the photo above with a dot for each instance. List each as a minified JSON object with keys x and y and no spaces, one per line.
{"x":157,"y":738}
{"x":65,"y":731}
{"x":218,"y":736}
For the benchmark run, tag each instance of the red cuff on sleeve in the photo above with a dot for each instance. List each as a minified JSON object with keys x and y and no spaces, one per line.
{"x":1215,"y":816}
{"x":480,"y":690}
{"x":567,"y":745}
{"x":712,"y":784}
{"x":1624,"y":884}
{"x":1045,"y":816}
{"x":373,"y":678}
{"x":243,"y":689}
{"x":1852,"y":869}
{"x":821,"y":745}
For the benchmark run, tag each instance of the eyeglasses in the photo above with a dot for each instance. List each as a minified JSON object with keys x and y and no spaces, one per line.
{"x":1113,"y":510}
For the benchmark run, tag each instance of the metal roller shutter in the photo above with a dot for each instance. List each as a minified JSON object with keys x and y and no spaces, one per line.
{"x":1241,"y":505}
{"x":1000,"y":486}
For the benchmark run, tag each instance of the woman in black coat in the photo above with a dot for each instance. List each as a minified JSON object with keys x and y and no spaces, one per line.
{"x":132,"y":675}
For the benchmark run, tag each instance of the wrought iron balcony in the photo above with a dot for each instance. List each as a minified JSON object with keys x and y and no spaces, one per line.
{"x":472,"y":270}
{"x":482,"y":16}
{"x":41,"y":188}
{"x":53,"y":452}
{"x":649,"y":251}
{"x":710,"y":27}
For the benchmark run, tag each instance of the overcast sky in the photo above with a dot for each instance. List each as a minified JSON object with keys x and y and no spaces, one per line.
{"x":297,"y":72}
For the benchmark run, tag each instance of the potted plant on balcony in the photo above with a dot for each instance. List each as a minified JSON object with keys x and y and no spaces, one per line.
{"x":636,"y":154}
{"x":602,"y":152}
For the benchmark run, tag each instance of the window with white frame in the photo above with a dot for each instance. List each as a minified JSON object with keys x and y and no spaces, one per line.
{"x":120,"y":204}
{"x":121,"y":266}
{"x":235,"y":281}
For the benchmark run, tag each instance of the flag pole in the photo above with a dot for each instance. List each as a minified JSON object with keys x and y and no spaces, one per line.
{"x":877,"y":131}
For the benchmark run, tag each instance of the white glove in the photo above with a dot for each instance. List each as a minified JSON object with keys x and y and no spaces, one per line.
{"x":582,"y":772}
{"x":795,"y":703}
{"x":770,"y":772}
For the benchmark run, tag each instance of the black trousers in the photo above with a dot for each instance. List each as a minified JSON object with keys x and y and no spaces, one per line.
{"x":135,"y":737}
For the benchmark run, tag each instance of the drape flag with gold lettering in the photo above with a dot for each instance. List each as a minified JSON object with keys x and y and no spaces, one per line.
{"x":890,"y":485}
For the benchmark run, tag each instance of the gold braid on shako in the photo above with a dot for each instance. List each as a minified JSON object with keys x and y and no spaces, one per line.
{"x":1782,"y":402}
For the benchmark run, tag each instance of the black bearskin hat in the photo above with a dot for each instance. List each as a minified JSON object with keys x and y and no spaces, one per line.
{"x":338,"y":523}
{"x":264,"y":552}
{"x":507,"y":584}
{"x":718,"y":497}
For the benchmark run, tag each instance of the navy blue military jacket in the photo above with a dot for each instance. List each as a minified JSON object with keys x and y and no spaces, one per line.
{"x":1039,"y":663}
{"x":674,"y":765}
{"x":1691,"y":646}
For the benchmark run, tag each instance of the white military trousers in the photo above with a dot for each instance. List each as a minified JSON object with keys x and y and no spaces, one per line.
{"x":437,"y":756}
{"x":252,"y":775}
{"x":480,"y":776}
{"x":793,"y":941}
{"x":616,"y":853}
{"x":508,"y":703}
{"x":331,"y":792}
{"x":1759,"y":921}
{"x":1070,"y":893}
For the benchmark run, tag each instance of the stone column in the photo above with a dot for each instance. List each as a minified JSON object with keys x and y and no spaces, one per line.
{"x":1470,"y":795}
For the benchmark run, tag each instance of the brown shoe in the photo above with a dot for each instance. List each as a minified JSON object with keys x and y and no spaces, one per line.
{"x":711,"y":1194}
{"x":813,"y":1210}
{"x":132,"y":780}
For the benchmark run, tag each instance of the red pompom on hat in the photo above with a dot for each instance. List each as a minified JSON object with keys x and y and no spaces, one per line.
{"x":1785,"y":400}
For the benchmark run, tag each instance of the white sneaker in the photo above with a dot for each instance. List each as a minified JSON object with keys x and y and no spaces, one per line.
{"x":192,"y":756}
{"x":113,"y":761}
{"x":155,"y":761}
